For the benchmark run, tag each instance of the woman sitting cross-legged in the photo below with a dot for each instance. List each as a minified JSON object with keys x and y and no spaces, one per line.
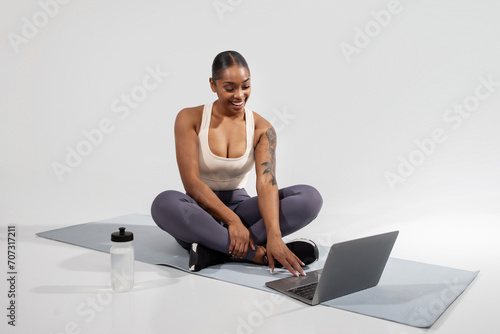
{"x":217,"y":146}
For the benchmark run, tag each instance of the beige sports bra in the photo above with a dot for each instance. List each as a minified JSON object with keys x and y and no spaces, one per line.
{"x":225,"y":173}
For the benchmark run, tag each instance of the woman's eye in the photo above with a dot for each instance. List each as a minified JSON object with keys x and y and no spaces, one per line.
{"x":246,"y":87}
{"x":229,"y":89}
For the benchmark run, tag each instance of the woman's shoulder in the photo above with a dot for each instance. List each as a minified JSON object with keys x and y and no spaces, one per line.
{"x":190,"y":114}
{"x":190,"y":117}
{"x":262,"y":126}
{"x":191,"y":111}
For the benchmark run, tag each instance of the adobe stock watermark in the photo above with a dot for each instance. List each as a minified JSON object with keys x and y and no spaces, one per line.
{"x":94,"y":137}
{"x":371,"y":30}
{"x":427,"y":313}
{"x":325,"y":239}
{"x":453,"y":116}
{"x":280,"y":119}
{"x":255,"y":319}
{"x":48,"y":9}
{"x":88,"y":310}
{"x":223,"y":6}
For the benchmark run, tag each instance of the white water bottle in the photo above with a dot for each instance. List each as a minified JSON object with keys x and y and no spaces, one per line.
{"x":122,"y":260}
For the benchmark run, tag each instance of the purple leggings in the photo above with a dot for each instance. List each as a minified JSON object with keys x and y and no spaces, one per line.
{"x":180,"y":216}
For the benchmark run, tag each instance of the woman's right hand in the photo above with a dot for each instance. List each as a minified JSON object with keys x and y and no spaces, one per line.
{"x":240,"y":239}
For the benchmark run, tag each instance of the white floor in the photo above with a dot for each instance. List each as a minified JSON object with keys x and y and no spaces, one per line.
{"x":65,"y":289}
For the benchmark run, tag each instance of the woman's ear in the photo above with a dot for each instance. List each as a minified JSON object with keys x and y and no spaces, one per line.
{"x":212,"y":85}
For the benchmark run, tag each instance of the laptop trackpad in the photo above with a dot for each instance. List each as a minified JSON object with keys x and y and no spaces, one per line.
{"x":291,"y":284}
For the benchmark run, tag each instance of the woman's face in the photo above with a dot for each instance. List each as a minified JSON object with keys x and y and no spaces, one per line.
{"x":232,"y":88}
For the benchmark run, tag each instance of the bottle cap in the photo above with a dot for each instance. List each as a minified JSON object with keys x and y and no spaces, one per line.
{"x":122,"y":236}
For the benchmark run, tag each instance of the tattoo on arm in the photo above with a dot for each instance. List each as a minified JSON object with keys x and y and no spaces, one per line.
{"x":271,"y":164}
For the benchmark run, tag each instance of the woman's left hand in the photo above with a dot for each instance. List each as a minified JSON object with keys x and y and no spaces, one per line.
{"x":277,"y":250}
{"x":240,"y":239}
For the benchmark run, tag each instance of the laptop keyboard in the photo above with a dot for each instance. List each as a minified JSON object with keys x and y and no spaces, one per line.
{"x":305,"y":291}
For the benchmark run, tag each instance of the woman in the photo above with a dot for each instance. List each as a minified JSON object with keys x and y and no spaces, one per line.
{"x":217,"y":145}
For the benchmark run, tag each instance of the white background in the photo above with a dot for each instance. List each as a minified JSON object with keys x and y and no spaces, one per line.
{"x":343,"y":122}
{"x":346,"y":124}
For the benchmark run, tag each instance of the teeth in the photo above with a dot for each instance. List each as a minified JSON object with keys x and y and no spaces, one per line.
{"x":237,"y":104}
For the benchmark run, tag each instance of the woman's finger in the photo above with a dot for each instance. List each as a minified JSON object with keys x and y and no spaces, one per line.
{"x":232,"y":246}
{"x":296,"y":265}
{"x":241,"y":250}
{"x":270,"y":260}
{"x":299,"y":260}
{"x":252,"y":245}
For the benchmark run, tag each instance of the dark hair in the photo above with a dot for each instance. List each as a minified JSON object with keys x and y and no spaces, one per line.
{"x":227,"y":59}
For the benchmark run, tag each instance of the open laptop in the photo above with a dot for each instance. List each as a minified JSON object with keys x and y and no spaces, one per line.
{"x":350,"y":266}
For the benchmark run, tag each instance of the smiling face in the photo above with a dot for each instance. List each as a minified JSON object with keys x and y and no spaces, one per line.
{"x":232,"y":88}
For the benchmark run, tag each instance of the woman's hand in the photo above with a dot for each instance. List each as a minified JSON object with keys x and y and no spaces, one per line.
{"x":277,"y":250}
{"x":240,"y":239}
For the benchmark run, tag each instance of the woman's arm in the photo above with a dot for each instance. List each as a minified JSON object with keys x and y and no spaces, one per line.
{"x":186,"y":147}
{"x":268,"y":198}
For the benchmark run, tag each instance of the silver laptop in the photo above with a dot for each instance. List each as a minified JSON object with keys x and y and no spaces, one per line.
{"x":350,"y":266}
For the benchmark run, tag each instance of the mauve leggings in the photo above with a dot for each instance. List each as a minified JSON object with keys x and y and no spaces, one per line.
{"x":180,"y":216}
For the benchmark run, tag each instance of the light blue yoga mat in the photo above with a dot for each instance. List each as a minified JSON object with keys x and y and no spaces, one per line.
{"x":409,"y":292}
